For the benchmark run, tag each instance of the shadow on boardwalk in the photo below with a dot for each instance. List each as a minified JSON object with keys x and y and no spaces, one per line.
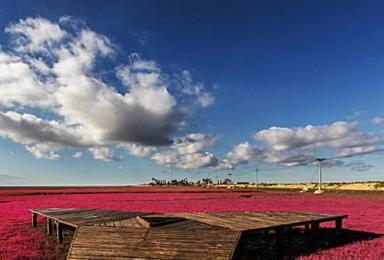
{"x":263,"y":246}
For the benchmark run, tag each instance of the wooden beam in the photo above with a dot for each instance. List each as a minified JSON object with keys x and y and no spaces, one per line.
{"x":59,"y":232}
{"x":49,"y":226}
{"x":34,"y":219}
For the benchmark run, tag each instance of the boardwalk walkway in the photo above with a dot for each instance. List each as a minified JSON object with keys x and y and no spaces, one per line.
{"x":102,"y":234}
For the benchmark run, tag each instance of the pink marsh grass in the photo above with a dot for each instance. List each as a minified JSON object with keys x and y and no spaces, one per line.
{"x":18,"y":241}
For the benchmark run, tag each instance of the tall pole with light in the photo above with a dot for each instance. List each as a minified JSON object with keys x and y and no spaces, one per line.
{"x":319,"y":163}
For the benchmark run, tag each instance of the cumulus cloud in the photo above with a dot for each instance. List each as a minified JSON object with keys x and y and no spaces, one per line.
{"x":102,"y":154}
{"x":44,"y":151}
{"x":192,"y":143}
{"x":188,"y":152}
{"x":194,"y":160}
{"x":197,"y":160}
{"x":378,"y":120}
{"x":282,"y":138}
{"x":139,"y":150}
{"x":35,"y":34}
{"x":297,"y":146}
{"x":29,"y":129}
{"x":20,"y":85}
{"x":242,"y":153}
{"x":50,"y":72}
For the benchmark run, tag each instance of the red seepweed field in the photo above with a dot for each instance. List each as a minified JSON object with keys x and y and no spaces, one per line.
{"x":19,"y":241}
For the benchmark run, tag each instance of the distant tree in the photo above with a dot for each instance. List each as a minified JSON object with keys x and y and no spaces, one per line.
{"x":227,"y":181}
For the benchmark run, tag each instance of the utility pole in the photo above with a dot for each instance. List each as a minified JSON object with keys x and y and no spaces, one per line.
{"x":319,"y":162}
{"x":257,"y":177}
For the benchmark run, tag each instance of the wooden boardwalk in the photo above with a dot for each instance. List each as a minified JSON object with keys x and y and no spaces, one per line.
{"x":102,"y":234}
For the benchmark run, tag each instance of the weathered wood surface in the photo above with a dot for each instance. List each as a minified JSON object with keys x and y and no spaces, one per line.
{"x":248,"y":221}
{"x":102,"y":234}
{"x":76,"y":217}
{"x":154,"y":243}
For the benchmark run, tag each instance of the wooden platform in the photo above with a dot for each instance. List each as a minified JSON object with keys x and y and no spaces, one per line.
{"x":75,"y":217}
{"x":102,"y":234}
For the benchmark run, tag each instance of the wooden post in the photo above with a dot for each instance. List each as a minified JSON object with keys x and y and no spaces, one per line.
{"x":49,"y":226}
{"x":59,"y":232}
{"x":34,"y":219}
{"x":339,"y":225}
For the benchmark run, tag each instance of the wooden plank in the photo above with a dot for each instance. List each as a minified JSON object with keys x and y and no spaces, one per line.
{"x":244,"y":223}
{"x":156,"y":243}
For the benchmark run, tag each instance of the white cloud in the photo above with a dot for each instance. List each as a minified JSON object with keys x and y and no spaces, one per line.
{"x":139,"y":150}
{"x":378,"y":120}
{"x":194,"y":160}
{"x":167,"y":158}
{"x":297,"y":146}
{"x":242,"y":153}
{"x":44,"y":151}
{"x":77,"y":155}
{"x":35,"y":34}
{"x":197,"y":160}
{"x":282,"y":138}
{"x":102,"y":153}
{"x":188,"y":152}
{"x":192,"y":143}
{"x":51,"y":67}
{"x":29,"y":129}
{"x":224,"y":164}
{"x":19,"y":85}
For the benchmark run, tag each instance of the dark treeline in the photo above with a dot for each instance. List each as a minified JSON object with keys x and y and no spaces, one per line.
{"x":186,"y":182}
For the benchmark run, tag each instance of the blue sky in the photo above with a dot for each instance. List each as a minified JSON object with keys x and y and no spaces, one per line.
{"x":230,"y":72}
